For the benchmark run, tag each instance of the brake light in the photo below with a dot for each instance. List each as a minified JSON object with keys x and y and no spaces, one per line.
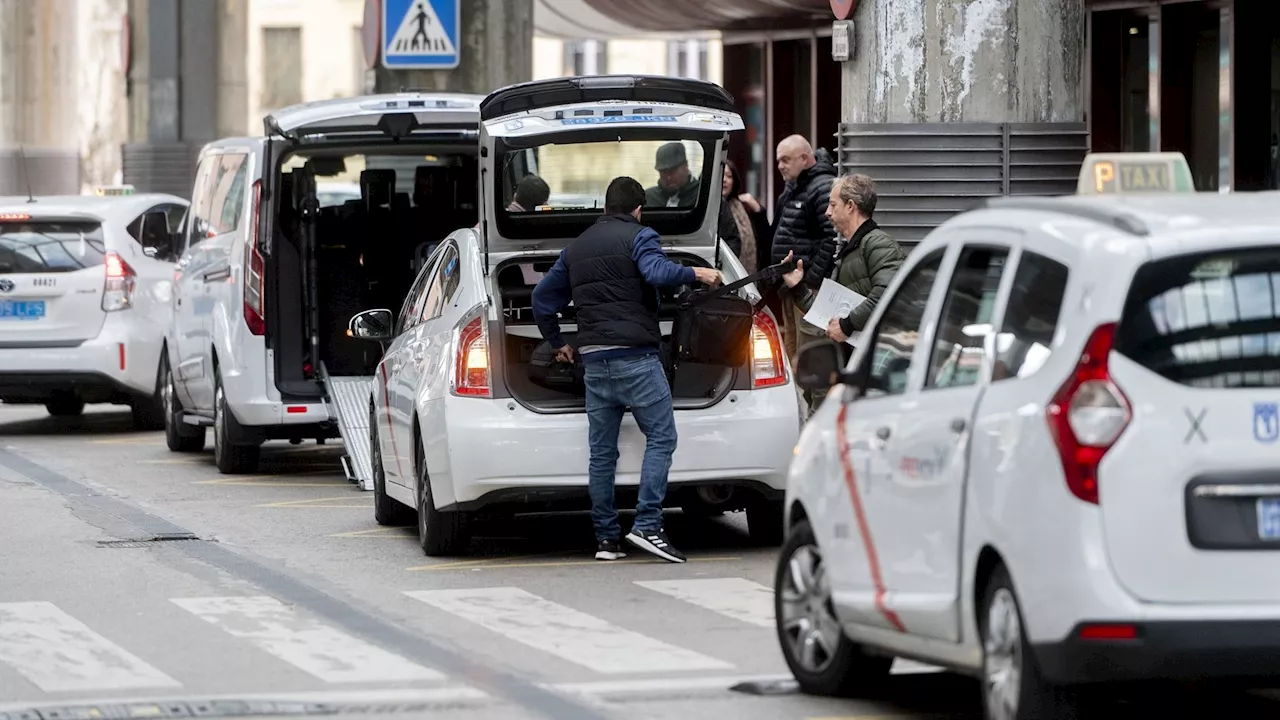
{"x":767,"y":366}
{"x":1087,"y":415}
{"x":12,"y":217}
{"x":254,"y":296}
{"x":471,"y":360}
{"x":1109,"y":632}
{"x":120,"y":282}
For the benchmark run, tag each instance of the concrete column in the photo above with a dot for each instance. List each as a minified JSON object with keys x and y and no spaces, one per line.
{"x":163,"y":43}
{"x":496,"y":45}
{"x":233,"y":69}
{"x":926,"y":61}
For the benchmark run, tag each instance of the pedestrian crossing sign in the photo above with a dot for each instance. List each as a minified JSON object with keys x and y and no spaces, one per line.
{"x":420,"y":34}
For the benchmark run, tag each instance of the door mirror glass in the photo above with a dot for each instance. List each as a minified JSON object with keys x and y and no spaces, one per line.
{"x":819,"y":366}
{"x":154,"y":235}
{"x":371,"y":325}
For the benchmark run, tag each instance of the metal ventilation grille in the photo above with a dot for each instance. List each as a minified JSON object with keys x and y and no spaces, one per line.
{"x":927,"y":172}
{"x":161,"y":167}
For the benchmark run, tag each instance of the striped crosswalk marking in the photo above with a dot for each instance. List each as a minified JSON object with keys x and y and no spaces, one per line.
{"x":305,"y":643}
{"x":575,"y":636}
{"x":59,"y":653}
{"x":737,"y":598}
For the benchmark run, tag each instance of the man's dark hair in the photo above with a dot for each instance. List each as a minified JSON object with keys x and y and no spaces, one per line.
{"x":623,"y":196}
{"x":531,"y":192}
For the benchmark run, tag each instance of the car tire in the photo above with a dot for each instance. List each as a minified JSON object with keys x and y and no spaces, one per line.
{"x":179,"y":436}
{"x":823,"y":660}
{"x":148,"y":410}
{"x":439,"y":533}
{"x":1012,"y":686}
{"x":64,"y":406}
{"x":386,"y":509}
{"x":231,"y":459}
{"x":764,"y":522}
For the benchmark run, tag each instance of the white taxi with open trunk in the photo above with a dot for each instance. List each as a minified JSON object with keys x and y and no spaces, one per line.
{"x":85,"y":284}
{"x":462,"y":423}
{"x":1053,"y":460}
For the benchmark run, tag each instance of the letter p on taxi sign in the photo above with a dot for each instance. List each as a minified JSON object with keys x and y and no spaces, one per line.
{"x":1104,"y":173}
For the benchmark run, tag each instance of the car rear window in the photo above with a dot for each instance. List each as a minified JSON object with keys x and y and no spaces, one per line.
{"x":49,"y":247}
{"x":1207,"y":320}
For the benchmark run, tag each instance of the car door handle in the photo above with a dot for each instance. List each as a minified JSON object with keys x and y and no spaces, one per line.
{"x":958,"y":425}
{"x":883,"y":433}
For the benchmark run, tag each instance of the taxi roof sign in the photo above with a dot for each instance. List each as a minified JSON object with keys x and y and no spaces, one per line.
{"x":1135,"y":173}
{"x":112,"y":190}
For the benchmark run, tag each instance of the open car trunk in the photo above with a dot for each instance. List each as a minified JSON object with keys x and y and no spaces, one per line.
{"x":693,"y":386}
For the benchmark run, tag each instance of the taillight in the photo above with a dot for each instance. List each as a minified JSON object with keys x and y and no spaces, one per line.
{"x":767,"y":366}
{"x":254,"y":295}
{"x":471,"y":370}
{"x":1087,"y":415}
{"x":117,"y":290}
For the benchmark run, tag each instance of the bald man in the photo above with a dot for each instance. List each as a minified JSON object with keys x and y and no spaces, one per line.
{"x":801,"y":226}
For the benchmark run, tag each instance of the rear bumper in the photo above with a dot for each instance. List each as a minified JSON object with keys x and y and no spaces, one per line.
{"x":498,"y":449}
{"x":1167,"y":650}
{"x":122,"y":361}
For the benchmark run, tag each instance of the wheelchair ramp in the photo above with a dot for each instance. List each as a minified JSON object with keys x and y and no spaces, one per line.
{"x":347,"y":399}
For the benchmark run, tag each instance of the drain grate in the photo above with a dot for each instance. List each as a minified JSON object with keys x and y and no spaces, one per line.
{"x":148,"y":542}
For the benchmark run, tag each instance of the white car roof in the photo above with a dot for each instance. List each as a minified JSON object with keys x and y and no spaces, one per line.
{"x":111,"y":208}
{"x":1152,"y":221}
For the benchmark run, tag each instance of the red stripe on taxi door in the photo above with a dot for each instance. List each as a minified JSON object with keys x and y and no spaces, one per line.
{"x":873,"y":559}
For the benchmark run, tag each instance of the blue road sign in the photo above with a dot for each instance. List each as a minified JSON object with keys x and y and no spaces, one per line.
{"x":420,"y":34}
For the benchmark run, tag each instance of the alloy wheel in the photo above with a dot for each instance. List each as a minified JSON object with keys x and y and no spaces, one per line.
{"x":808,"y":620}
{"x":1002,"y":660}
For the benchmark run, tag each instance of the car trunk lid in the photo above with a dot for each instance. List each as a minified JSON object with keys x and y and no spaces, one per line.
{"x":51,"y":280}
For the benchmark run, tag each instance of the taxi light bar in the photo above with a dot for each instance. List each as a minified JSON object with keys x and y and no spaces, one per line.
{"x":1143,"y":173}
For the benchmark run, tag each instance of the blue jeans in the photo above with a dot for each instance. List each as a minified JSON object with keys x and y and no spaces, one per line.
{"x":613,"y":385}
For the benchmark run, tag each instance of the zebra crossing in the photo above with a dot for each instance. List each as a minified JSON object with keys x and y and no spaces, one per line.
{"x":56,"y":652}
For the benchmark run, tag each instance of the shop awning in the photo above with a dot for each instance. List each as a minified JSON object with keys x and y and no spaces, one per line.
{"x":603,"y":19}
{"x":658,"y":15}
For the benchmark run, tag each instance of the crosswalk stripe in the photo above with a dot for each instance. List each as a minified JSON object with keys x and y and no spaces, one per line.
{"x":59,"y":653}
{"x":737,"y":598}
{"x":562,"y":631}
{"x":305,"y":643}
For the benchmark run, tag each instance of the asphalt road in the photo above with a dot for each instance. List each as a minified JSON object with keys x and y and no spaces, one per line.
{"x":276,"y":594}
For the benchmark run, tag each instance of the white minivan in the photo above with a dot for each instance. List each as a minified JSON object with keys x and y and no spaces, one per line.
{"x":269,"y":276}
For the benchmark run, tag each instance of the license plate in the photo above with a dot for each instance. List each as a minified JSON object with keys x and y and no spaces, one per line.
{"x":21,"y":309}
{"x":1269,"y":518}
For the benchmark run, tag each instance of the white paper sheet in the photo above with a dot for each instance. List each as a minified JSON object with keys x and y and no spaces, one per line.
{"x":833,"y":300}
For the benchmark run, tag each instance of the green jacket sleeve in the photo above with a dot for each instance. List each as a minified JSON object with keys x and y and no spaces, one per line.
{"x":884,"y":257}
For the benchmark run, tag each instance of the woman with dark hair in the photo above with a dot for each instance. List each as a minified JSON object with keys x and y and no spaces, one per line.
{"x":750,"y":218}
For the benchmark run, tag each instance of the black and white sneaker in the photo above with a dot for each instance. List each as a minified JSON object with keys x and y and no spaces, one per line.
{"x":655,"y":543}
{"x":609,"y":550}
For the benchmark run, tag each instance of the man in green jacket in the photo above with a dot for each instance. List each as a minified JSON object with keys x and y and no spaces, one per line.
{"x":865,"y":263}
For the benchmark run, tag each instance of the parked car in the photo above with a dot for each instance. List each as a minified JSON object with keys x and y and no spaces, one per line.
{"x":85,"y":285}
{"x":461,"y":424}
{"x":1098,"y":503}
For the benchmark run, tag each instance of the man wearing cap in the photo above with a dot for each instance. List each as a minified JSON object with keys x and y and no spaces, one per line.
{"x":678,"y":188}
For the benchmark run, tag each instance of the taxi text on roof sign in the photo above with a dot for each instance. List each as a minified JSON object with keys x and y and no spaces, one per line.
{"x":1130,"y":173}
{"x":106,"y":190}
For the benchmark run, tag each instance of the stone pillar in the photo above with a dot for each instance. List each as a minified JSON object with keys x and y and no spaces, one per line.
{"x":233,"y":69}
{"x":928,"y":61}
{"x":496,"y":45}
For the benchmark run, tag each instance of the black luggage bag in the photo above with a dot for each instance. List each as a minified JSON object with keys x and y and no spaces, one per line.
{"x":713,"y":325}
{"x":553,"y":374}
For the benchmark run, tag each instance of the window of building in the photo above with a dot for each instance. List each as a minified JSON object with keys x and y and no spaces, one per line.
{"x":281,"y":67}
{"x":586,"y":57}
{"x":687,"y":58}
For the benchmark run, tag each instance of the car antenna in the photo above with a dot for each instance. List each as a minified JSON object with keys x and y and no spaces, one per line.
{"x":26,"y":173}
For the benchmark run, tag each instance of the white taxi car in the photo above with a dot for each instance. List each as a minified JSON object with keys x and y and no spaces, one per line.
{"x":464,"y":420}
{"x":85,"y":284}
{"x":1099,"y":502}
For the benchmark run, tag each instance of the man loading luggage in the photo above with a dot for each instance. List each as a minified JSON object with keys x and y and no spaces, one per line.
{"x":610,"y":273}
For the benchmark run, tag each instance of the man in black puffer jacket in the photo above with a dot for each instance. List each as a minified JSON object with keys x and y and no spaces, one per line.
{"x":801,"y":226}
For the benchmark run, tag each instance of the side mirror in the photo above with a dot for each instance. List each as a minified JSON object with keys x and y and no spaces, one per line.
{"x":157,"y":241}
{"x":819,"y":366}
{"x":371,"y":325}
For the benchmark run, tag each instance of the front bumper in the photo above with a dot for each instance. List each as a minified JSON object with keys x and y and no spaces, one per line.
{"x":1166,"y":650}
